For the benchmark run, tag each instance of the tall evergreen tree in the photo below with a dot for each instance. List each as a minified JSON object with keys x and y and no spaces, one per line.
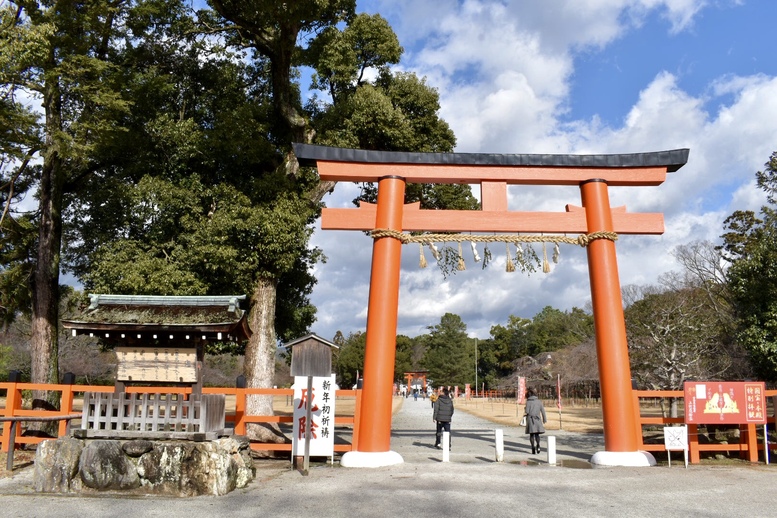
{"x":751,"y":245}
{"x":70,"y":70}
{"x":450,"y":353}
{"x":278,"y":35}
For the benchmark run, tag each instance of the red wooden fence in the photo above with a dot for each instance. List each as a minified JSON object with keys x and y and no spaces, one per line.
{"x":14,"y":408}
{"x":748,"y":445}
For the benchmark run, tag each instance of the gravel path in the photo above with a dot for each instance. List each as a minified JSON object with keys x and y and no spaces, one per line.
{"x":472,"y":484}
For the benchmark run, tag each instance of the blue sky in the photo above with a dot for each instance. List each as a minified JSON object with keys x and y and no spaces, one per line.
{"x":575,"y":76}
{"x":711,"y":47}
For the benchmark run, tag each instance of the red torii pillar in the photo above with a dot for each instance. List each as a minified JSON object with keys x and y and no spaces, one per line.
{"x":591,"y":173}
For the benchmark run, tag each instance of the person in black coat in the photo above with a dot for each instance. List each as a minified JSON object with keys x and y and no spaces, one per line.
{"x":535,"y":419}
{"x":443,"y":414}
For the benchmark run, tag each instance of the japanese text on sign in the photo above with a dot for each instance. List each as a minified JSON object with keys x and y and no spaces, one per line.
{"x":725,"y":402}
{"x":321,"y":401}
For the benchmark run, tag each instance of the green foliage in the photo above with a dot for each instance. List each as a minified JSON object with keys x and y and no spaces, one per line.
{"x":5,"y":361}
{"x":751,"y":244}
{"x":767,"y":179}
{"x":275,"y":32}
{"x":420,"y":104}
{"x":192,"y":200}
{"x":550,"y":330}
{"x":742,"y":236}
{"x":753,"y":284}
{"x":403,"y":361}
{"x":340,"y":58}
{"x":350,"y":359}
{"x":21,"y":46}
{"x":165,"y":150}
{"x":511,"y":338}
{"x":450,"y":353}
{"x":200,"y":240}
{"x":17,"y":255}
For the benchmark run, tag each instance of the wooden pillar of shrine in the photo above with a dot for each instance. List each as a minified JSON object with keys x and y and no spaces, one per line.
{"x":611,"y":346}
{"x":380,"y":350}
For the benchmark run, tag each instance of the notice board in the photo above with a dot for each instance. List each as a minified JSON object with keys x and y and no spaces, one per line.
{"x":725,"y":402}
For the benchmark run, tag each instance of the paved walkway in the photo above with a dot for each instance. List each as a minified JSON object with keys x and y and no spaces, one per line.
{"x":473,"y":439}
{"x":472,"y":484}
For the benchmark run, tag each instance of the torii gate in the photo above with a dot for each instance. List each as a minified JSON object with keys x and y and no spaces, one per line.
{"x":592,"y":173}
{"x":410,"y":376}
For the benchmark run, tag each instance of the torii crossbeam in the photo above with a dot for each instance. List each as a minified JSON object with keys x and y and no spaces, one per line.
{"x":592,"y":173}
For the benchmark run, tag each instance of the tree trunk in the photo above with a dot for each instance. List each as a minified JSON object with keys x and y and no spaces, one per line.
{"x":674,"y":407}
{"x":45,"y":300}
{"x":259,"y":365}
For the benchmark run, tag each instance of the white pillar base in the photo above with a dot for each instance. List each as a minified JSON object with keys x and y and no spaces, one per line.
{"x":551,"y":450}
{"x":634,"y":459}
{"x":499,"y":444}
{"x":370,"y":459}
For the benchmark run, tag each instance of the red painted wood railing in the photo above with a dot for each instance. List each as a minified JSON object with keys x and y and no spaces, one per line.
{"x":748,"y":445}
{"x":239,"y":419}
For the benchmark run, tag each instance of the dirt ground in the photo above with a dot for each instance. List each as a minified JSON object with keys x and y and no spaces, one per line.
{"x":578,"y":419}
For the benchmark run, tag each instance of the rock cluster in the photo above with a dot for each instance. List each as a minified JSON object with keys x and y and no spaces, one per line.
{"x":181,"y":468}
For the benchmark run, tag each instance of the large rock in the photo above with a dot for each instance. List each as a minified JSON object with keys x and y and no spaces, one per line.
{"x":104,"y":465}
{"x":137,"y":447}
{"x":56,"y":466}
{"x":180,"y":468}
{"x":206,"y":468}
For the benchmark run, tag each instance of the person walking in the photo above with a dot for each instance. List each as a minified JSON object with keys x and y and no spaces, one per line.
{"x":535,"y":419}
{"x":443,"y":414}
{"x":433,"y":398}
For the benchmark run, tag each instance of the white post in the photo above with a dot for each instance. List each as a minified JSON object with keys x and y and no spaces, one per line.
{"x":552,"y":450}
{"x":500,"y":444}
{"x":766,"y":445}
{"x":446,"y":446}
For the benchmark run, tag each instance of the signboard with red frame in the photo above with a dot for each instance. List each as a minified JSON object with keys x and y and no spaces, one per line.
{"x":725,"y":402}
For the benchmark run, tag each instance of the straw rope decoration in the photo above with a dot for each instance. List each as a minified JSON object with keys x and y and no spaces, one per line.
{"x":509,"y":266}
{"x":457,"y":258}
{"x":545,"y":263}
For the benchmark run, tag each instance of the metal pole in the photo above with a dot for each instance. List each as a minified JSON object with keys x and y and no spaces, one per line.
{"x":476,"y":367}
{"x":766,"y":444}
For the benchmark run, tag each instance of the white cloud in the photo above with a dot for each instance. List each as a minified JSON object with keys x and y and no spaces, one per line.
{"x":503,"y":71}
{"x":679,"y":13}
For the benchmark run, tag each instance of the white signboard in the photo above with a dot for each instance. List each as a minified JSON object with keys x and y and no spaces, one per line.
{"x":676,"y":438}
{"x":322,"y":411}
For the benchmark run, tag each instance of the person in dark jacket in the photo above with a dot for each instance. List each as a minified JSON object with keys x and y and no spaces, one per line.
{"x":535,"y":419}
{"x":443,"y":414}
